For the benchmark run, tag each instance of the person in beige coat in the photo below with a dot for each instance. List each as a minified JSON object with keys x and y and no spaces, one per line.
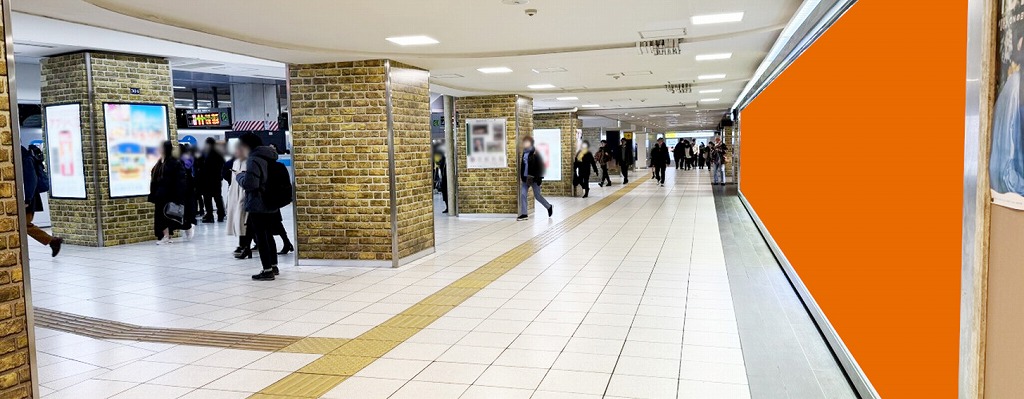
{"x":236,"y":215}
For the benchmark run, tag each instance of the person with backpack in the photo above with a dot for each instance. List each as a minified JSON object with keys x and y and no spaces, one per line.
{"x":603,"y":157}
{"x":37,"y":182}
{"x":531,"y":175}
{"x":267,"y":186}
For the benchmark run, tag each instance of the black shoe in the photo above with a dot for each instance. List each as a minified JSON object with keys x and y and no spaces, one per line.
{"x":220,"y":219}
{"x":266,"y":275}
{"x":238,"y":250}
{"x":551,"y":210}
{"x":245,"y":254}
{"x":55,"y":245}
{"x":286,"y":249}
{"x":208,"y":220}
{"x":445,"y":210}
{"x":586,"y":193}
{"x":522,"y":217}
{"x":277,"y":272}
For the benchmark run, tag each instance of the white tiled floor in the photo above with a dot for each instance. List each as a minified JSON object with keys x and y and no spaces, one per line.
{"x":633,"y":303}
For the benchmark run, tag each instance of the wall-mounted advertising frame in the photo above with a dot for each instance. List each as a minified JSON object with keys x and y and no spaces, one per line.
{"x":64,"y":155}
{"x":548,"y":143}
{"x":486,"y":145}
{"x":134,"y":133}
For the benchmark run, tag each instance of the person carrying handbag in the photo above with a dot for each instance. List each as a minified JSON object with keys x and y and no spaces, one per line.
{"x":167,"y":194}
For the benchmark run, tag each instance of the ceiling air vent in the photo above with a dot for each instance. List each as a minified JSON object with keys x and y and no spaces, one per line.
{"x":668,"y":46}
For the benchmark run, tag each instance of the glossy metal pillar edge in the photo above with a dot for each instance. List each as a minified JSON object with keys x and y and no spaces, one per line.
{"x":19,"y":182}
{"x":392,"y":167}
{"x":97,"y":189}
{"x":295,"y":171}
{"x":449,"y":164}
{"x":856,"y":376}
{"x":981,"y":48}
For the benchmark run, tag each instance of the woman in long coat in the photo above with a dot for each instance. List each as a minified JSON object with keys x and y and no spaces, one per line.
{"x":581,"y":168}
{"x":236,"y":215}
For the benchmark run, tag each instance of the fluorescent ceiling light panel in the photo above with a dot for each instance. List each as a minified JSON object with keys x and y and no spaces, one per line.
{"x":710,"y":91}
{"x":713,"y":76}
{"x":541,"y":86}
{"x":714,"y":57}
{"x":568,"y":98}
{"x":412,"y":40}
{"x":710,"y":100}
{"x":495,"y":70}
{"x":716,"y":18}
{"x":591,"y":106}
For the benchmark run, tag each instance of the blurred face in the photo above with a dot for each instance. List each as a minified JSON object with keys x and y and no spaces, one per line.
{"x":244,"y":151}
{"x":527,"y":144}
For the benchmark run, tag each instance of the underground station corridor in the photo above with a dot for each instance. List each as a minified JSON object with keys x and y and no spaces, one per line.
{"x":511,"y":199}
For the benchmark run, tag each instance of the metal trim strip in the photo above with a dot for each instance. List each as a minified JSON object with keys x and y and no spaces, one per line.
{"x":854,"y":373}
{"x":392,"y":167}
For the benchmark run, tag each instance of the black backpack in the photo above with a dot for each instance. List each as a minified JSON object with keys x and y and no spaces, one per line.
{"x":278,"y":192}
{"x":39,"y":166}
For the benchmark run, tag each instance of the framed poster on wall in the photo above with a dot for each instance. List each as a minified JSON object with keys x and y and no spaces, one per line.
{"x":66,"y":164}
{"x":1006,"y":161}
{"x":485,"y":144}
{"x":549,"y":146}
{"x":135,"y":133}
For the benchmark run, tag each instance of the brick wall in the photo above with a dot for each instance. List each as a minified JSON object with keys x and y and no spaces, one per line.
{"x":567,"y":122}
{"x":15,"y":370}
{"x":340,"y":142}
{"x":124,"y":220}
{"x":491,"y":191}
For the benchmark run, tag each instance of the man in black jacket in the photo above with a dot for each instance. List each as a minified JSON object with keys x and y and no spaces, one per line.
{"x":36,"y":181}
{"x":531,"y":174}
{"x":625,"y":158}
{"x":208,"y":180}
{"x":660,"y":160}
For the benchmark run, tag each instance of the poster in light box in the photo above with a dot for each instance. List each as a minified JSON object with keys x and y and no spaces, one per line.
{"x":64,"y":151}
{"x":485,"y":144}
{"x":135,"y":133}
{"x":549,"y":146}
{"x":1006,"y":161}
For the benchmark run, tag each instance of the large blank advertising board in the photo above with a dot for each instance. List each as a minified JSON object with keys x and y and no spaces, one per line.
{"x":64,"y":151}
{"x":135,"y":133}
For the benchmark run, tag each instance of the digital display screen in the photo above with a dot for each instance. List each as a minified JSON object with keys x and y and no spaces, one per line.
{"x":64,"y":151}
{"x":135,"y":133}
{"x":209,"y":118}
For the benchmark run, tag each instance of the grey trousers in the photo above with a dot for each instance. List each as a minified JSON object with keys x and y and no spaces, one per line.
{"x":524,"y":188}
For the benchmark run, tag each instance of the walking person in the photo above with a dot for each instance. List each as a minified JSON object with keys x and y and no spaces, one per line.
{"x":208,"y":180}
{"x":660,"y":160}
{"x":441,"y":175}
{"x":235,"y":209}
{"x":693,"y":155}
{"x":167,"y":186}
{"x":263,"y":216}
{"x":718,"y":161}
{"x":679,"y":154}
{"x":702,"y":154}
{"x":36,"y":182}
{"x":687,"y":155}
{"x":603,"y":157}
{"x":191,"y":196}
{"x":582,"y":165}
{"x":531,"y":175}
{"x":625,"y":159}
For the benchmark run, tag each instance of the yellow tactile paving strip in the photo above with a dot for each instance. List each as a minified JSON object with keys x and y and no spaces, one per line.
{"x":322,"y":375}
{"x":107,"y":329}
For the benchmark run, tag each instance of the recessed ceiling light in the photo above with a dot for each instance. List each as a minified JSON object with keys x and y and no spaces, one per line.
{"x":412,"y":40}
{"x":713,"y":76}
{"x":180,"y":87}
{"x":495,"y":70}
{"x":710,"y":91}
{"x":591,"y":106}
{"x":568,"y":98}
{"x":709,"y":100}
{"x":716,"y":18}
{"x":713,"y":57}
{"x":541,"y":86}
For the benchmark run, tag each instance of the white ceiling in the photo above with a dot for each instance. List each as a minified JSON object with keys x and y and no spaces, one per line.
{"x":589,"y":39}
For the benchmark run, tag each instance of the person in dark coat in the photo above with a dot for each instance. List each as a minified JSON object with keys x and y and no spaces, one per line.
{"x":660,"y":160}
{"x":262,"y":219}
{"x":192,"y":199}
{"x":602,"y":157}
{"x":167,"y":185}
{"x":441,"y":175}
{"x":680,"y":153}
{"x":208,"y":180}
{"x":581,"y":166}
{"x":36,"y":182}
{"x":531,"y":175}
{"x":625,"y":159}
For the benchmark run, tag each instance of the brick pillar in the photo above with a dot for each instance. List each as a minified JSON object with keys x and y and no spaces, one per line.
{"x":352,"y":123}
{"x":16,"y":336}
{"x":567,"y":122}
{"x":492,"y":191}
{"x":66,"y":79}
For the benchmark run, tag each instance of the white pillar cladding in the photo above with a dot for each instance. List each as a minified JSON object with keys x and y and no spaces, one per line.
{"x":254,"y":102}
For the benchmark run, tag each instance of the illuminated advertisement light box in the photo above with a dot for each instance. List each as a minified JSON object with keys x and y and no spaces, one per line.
{"x":66,"y":164}
{"x":135,"y":133}
{"x":548,"y":143}
{"x":485,"y":144}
